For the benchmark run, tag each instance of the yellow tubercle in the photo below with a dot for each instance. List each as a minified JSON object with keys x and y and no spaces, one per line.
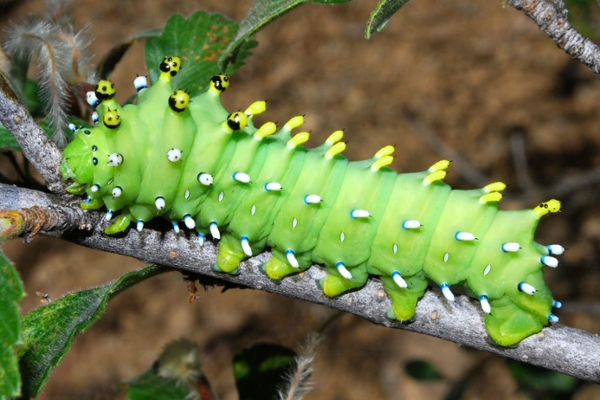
{"x":105,"y":90}
{"x":434,"y":176}
{"x":494,"y":187}
{"x":179,"y":100}
{"x":169,"y":67}
{"x":298,"y":139}
{"x":335,"y":150}
{"x":258,"y":107}
{"x":335,"y":137}
{"x":490,"y":197}
{"x":267,"y":129}
{"x":385,"y":151}
{"x":294,"y":122}
{"x":236,"y":121}
{"x":218,"y":84}
{"x":440,"y":166}
{"x":382,"y":162}
{"x":112,"y":119}
{"x":550,"y":206}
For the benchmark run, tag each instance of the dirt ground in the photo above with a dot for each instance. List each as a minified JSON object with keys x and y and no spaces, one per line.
{"x":462,"y":75}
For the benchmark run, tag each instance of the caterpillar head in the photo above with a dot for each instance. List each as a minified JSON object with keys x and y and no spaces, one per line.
{"x":112,"y":119}
{"x":179,"y":100}
{"x":219,"y":84}
{"x":105,"y":90}
{"x":170,"y":66}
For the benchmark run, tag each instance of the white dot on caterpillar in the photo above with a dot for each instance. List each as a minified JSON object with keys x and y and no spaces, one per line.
{"x":174,"y":155}
{"x":526,"y":288}
{"x":160,"y":203}
{"x":289,"y":254}
{"x":95,"y":187}
{"x":241,"y":177}
{"x":342,"y":270}
{"x":342,"y":236}
{"x":140,"y":83}
{"x":411,"y":224}
{"x":273,"y":187}
{"x":205,"y":179}
{"x":312,"y":199}
{"x":109,"y":215}
{"x":395,"y":248}
{"x":246,"y":246}
{"x":140,"y":225}
{"x":510,"y":247}
{"x":214,"y":230}
{"x":360,"y":214}
{"x":552,"y":318}
{"x":399,"y":280}
{"x":91,"y":99}
{"x":446,"y":292}
{"x":294,"y":222}
{"x":557,"y":304}
{"x":189,"y":221}
{"x":549,"y":261}
{"x":95,"y":118}
{"x":555,"y":249}
{"x":117,"y":191}
{"x":186,"y":194}
{"x":175,"y":226}
{"x":487,"y":269}
{"x":200,"y":239}
{"x":115,"y":159}
{"x":446,"y":257}
{"x":253,"y":209}
{"x":221,"y":195}
{"x":72,"y":127}
{"x":485,"y":304}
{"x":464,"y":236}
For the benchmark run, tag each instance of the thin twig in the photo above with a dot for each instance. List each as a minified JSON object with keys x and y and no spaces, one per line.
{"x":553,"y":21}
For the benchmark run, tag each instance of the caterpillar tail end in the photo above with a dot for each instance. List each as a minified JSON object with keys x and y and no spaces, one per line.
{"x":508,"y":323}
{"x":120,"y":224}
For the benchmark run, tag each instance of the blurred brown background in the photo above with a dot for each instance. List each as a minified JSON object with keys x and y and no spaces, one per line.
{"x":469,"y":74}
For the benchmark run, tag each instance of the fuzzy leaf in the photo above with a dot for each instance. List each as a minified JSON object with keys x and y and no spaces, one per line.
{"x":11,"y":291}
{"x":49,"y":330}
{"x":382,"y":14}
{"x":199,"y":41}
{"x":260,"y":370}
{"x":261,"y":13}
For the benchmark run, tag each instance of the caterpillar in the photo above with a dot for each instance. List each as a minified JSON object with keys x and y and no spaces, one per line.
{"x":191,"y":161}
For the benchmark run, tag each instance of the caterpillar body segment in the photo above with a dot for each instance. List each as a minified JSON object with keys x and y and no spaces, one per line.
{"x":189,"y":160}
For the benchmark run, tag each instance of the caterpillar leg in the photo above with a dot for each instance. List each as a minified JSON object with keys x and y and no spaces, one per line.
{"x":508,"y":323}
{"x":120,"y":224}
{"x":232,"y":250}
{"x":341,"y":279}
{"x":279,"y":266}
{"x":92,"y":204}
{"x":77,"y":188}
{"x":404,"y":300}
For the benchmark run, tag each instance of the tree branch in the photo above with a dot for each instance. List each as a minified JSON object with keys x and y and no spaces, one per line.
{"x":553,"y":21}
{"x":558,"y":347}
{"x":37,"y":147}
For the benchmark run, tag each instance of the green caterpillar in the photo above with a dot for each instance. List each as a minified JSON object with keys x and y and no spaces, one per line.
{"x":190,"y":160}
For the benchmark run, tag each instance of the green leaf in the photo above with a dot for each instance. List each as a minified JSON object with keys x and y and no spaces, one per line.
{"x":49,"y":330}
{"x":199,"y":41}
{"x":11,"y":291}
{"x":423,"y":371}
{"x":260,"y":370}
{"x":261,"y":13}
{"x":111,"y":59}
{"x":541,"y":379}
{"x":7,"y":141}
{"x":382,"y":14}
{"x":150,"y":386}
{"x":34,"y":104}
